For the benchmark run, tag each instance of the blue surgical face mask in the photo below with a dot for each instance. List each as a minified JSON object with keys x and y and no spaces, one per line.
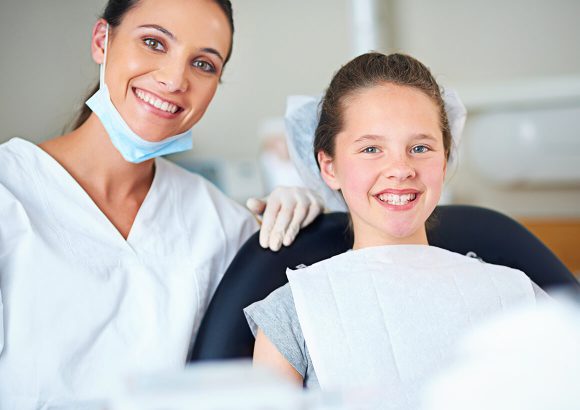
{"x":131,"y":146}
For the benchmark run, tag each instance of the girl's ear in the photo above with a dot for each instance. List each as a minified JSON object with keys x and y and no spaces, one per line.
{"x":327,"y":171}
{"x":98,"y":41}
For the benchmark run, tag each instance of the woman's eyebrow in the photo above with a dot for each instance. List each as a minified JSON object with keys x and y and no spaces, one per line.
{"x":213,"y":51}
{"x":172,"y":36}
{"x":159,"y":28}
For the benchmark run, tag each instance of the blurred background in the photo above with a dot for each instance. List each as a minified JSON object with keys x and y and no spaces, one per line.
{"x":515,"y":63}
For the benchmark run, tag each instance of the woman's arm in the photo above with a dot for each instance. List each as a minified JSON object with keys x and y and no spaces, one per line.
{"x":267,"y":355}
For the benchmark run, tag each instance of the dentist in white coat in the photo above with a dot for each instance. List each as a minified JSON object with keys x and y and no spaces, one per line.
{"x":109,"y":254}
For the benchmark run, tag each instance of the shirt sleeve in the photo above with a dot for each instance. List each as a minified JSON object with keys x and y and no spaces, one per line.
{"x":9,"y":207}
{"x":13,"y":226}
{"x":276,"y":316}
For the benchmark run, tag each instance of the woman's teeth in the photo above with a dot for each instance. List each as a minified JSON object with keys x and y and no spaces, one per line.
{"x":393,"y":199}
{"x":156,"y":102}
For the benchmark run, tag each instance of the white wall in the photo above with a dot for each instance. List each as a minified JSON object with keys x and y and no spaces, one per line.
{"x":482,"y":41}
{"x":45,"y":66}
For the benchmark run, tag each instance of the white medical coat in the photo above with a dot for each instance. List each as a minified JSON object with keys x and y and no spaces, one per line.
{"x":83,"y":307}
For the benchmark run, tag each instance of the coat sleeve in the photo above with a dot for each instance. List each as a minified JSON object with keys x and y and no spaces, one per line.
{"x":14,"y":223}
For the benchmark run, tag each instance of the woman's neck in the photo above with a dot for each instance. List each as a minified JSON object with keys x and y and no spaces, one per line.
{"x":117,"y":187}
{"x":88,"y":154}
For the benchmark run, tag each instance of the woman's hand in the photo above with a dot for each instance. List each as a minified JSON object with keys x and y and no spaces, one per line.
{"x":284,"y":212}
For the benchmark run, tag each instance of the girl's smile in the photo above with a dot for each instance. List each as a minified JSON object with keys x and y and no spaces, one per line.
{"x":389,"y":164}
{"x":398,"y":200}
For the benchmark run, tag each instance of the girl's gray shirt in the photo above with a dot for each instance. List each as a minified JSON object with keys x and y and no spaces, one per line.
{"x":276,"y":316}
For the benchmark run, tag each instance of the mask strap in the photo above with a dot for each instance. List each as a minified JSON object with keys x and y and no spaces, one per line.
{"x":102,"y":69}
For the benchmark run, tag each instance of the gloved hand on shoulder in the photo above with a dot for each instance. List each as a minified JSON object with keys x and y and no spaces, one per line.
{"x":284,"y":212}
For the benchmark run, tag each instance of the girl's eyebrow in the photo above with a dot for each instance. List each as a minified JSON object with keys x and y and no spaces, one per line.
{"x":373,"y":137}
{"x":172,"y":37}
{"x":368,"y":137}
{"x":424,"y":137}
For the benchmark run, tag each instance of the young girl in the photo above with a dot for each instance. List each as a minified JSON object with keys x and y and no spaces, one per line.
{"x":386,"y":313}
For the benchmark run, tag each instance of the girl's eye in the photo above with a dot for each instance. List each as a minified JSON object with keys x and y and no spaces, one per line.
{"x":153,"y":44}
{"x":419,"y":149}
{"x":204,"y":66}
{"x":370,"y":150}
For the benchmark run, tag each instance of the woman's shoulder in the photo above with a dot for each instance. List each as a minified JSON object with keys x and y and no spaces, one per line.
{"x":14,"y":154}
{"x":182,"y":176}
{"x":199,"y":196}
{"x":23,"y":167}
{"x":194,"y":185}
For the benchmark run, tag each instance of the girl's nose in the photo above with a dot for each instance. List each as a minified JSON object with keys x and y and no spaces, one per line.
{"x":399,"y":169}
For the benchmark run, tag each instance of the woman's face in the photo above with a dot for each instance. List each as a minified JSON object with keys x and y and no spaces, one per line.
{"x":164,"y":63}
{"x":389,"y":163}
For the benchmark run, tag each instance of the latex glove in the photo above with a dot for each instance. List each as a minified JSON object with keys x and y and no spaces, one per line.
{"x":284,"y":212}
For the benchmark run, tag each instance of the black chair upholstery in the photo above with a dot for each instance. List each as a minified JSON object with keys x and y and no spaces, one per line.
{"x":255,"y":272}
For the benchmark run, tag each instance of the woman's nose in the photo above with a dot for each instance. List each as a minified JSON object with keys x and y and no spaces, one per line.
{"x":173,"y":77}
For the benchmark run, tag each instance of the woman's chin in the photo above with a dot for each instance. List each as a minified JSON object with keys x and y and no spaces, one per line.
{"x":151,"y":134}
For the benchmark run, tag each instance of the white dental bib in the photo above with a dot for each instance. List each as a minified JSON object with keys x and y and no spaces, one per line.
{"x":387,"y":317}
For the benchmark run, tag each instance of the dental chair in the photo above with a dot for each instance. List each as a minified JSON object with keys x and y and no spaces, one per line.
{"x":255,"y":272}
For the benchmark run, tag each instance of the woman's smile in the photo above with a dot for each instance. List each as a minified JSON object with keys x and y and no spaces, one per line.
{"x":157,"y":105}
{"x":170,"y":59}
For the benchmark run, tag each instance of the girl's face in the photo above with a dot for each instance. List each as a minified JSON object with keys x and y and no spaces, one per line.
{"x":389,"y":164}
{"x":164,"y":63}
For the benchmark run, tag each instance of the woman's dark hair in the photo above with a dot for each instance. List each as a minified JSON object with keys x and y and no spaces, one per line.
{"x":114,"y":12}
{"x":366,"y":71}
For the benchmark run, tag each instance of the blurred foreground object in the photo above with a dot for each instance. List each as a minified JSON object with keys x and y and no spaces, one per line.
{"x":211,"y":385}
{"x":526,"y":360}
{"x":233,"y":385}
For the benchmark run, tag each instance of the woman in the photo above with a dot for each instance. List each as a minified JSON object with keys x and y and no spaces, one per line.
{"x":385,"y":314}
{"x":108,"y":254}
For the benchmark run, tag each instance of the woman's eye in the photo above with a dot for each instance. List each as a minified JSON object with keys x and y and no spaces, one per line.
{"x":419,"y":149}
{"x":204,"y":66}
{"x":153,"y":44}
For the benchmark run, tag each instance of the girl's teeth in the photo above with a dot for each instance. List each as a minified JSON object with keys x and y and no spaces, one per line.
{"x":393,"y":199}
{"x":157,"y":103}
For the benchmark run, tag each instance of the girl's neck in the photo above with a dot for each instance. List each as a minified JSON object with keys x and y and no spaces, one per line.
{"x":381,"y":239}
